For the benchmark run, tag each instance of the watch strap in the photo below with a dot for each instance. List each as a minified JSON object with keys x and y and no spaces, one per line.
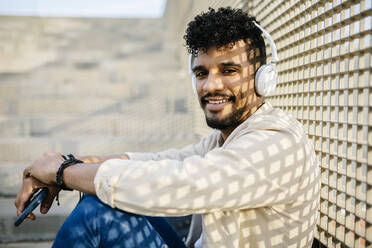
{"x":68,"y":161}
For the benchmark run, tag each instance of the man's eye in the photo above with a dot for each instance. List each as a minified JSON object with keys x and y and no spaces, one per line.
{"x":200,"y":74}
{"x":229,"y":70}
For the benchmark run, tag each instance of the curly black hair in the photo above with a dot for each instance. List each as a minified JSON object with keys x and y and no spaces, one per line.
{"x":223,"y":28}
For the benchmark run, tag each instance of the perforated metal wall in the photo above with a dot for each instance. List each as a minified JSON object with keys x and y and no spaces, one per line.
{"x":325,"y":81}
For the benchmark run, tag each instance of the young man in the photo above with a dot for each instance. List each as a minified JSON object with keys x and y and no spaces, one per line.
{"x":254,"y":179}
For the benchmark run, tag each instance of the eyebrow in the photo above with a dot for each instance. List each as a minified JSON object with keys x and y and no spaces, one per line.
{"x":231,"y":64}
{"x":201,"y":67}
{"x":198,"y":68}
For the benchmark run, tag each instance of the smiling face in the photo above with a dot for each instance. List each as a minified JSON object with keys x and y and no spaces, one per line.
{"x":225,"y":85}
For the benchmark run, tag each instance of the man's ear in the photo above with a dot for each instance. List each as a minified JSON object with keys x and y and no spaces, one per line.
{"x":254,"y":58}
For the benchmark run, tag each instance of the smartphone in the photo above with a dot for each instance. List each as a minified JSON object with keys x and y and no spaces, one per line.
{"x":34,"y":201}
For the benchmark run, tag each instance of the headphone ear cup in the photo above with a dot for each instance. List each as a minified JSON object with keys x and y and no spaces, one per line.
{"x":265,"y":79}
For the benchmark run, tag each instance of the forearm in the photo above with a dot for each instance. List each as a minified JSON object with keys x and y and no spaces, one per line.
{"x":81,"y":177}
{"x":100,"y":159}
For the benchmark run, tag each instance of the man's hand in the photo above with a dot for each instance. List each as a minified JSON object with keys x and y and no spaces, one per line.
{"x":30,"y":185}
{"x":42,"y":173}
{"x":45,"y":168}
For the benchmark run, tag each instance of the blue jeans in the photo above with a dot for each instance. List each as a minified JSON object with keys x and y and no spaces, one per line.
{"x":95,"y":224}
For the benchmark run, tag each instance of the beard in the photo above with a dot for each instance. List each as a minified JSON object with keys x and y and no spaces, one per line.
{"x":231,"y":120}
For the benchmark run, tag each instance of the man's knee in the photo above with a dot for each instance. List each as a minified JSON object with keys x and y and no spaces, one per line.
{"x":108,"y":227}
{"x":80,"y":228}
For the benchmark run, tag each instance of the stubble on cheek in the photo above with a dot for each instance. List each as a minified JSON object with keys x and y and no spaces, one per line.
{"x":227,"y":110}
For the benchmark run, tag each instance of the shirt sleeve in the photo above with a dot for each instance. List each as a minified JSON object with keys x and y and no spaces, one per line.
{"x":261,"y":168}
{"x":178,"y":154}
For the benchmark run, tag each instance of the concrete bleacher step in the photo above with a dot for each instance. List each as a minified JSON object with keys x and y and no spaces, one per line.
{"x":30,"y":244}
{"x":33,"y":90}
{"x":44,"y":228}
{"x":11,"y":178}
{"x":80,"y":102}
{"x":101,"y":75}
{"x":76,"y":106}
{"x":55,"y":105}
{"x":139,"y":103}
{"x":85,"y":104}
{"x":96,"y":125}
{"x":17,"y":150}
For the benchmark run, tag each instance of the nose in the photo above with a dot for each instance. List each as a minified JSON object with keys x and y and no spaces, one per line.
{"x":213,"y":83}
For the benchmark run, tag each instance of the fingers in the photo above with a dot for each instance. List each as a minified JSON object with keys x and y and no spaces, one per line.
{"x":31,"y":216}
{"x":48,"y":200}
{"x":29,"y":185}
{"x":23,"y":195}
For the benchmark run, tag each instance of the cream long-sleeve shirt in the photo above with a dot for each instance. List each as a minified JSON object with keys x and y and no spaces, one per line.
{"x":258,"y":188}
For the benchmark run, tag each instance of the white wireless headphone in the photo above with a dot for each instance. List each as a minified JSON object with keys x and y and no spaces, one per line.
{"x":266,"y":75}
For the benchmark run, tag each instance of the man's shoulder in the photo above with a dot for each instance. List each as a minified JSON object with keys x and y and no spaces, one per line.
{"x":274,"y":119}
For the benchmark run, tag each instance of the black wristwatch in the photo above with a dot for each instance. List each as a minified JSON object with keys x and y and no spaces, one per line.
{"x":71,"y":160}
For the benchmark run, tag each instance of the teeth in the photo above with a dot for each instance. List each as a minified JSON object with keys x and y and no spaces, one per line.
{"x":217,"y":102}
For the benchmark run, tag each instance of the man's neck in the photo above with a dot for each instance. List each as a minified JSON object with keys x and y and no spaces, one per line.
{"x":227,"y":131}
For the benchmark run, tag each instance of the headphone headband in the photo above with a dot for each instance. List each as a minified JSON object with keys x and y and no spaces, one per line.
{"x":274,"y":57}
{"x":191,"y":61}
